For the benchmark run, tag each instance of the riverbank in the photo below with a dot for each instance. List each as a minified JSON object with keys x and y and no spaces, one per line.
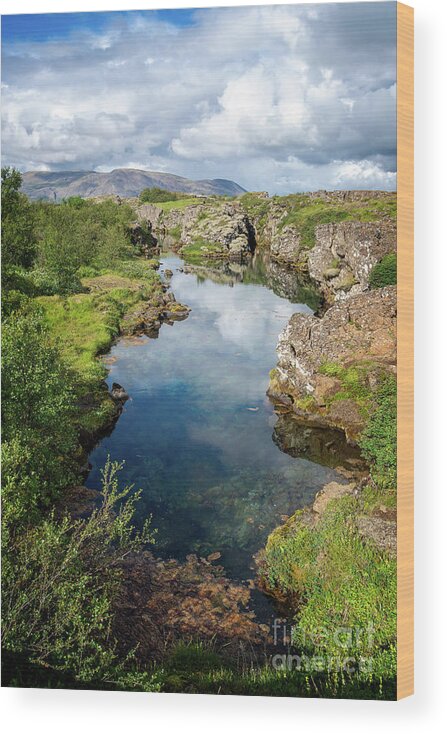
{"x":129,"y":300}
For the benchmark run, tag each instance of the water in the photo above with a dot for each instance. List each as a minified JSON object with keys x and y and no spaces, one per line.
{"x":197,"y":433}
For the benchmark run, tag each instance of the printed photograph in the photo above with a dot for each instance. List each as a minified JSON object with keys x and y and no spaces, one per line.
{"x":199,"y":269}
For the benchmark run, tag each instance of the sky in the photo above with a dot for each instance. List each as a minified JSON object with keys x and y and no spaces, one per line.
{"x":281,"y":98}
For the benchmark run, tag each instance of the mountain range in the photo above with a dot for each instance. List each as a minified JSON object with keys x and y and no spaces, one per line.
{"x":124,"y":182}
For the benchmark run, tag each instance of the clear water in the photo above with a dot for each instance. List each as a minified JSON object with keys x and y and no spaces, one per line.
{"x":197,"y":432}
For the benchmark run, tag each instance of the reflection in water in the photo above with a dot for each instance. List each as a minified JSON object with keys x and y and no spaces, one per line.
{"x":260,"y":270}
{"x":322,"y":445}
{"x":196,"y":434}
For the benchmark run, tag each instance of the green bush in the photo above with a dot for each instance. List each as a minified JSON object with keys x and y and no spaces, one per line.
{"x":379,"y":439}
{"x":334,"y":580}
{"x":37,"y":416}
{"x":71,"y":236}
{"x":155,"y":194}
{"x":60,"y":580}
{"x":384,"y":272}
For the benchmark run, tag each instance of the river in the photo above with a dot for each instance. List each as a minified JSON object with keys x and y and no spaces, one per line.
{"x":197,"y":433}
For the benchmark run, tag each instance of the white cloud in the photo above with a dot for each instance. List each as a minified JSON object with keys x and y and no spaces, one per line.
{"x":276,"y":97}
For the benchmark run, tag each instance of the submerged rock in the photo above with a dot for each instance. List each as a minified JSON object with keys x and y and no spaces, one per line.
{"x":163,"y":601}
{"x":78,"y":502}
{"x":118,"y":392}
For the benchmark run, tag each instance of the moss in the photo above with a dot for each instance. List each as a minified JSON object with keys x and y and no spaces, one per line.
{"x":353,"y":383}
{"x":373,"y":498}
{"x":307,"y":403}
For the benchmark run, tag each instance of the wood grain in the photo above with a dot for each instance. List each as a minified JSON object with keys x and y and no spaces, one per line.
{"x":405,"y":352}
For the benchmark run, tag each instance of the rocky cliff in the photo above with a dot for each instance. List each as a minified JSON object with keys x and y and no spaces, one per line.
{"x":328,"y":368}
{"x":214,"y":228}
{"x":344,"y":255}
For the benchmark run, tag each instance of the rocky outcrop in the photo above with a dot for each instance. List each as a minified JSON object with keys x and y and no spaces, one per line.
{"x":327,"y":367}
{"x":148,"y":318}
{"x":118,"y":393}
{"x":345,"y":253}
{"x":285,"y":245}
{"x":224,"y":226}
{"x":282,"y":241}
{"x":289,"y":228}
{"x":141,"y":236}
{"x":215,"y":228}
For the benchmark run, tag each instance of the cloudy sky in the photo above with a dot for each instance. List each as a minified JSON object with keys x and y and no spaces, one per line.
{"x":278,"y":98}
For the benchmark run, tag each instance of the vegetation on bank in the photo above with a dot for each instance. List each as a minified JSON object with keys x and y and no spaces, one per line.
{"x":333,"y":577}
{"x":199,"y":250}
{"x":59,"y":576}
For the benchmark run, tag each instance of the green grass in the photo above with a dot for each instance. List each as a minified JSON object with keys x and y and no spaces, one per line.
{"x":265,"y":680}
{"x":384,"y":272}
{"x":175,"y":232}
{"x":167,"y":206}
{"x":84,"y":326}
{"x":379,"y":438}
{"x":200,"y":249}
{"x":354,"y":383}
{"x":335,"y":579}
{"x":256,"y":207}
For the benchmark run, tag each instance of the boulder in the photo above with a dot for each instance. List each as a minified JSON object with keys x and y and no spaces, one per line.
{"x":118,"y":393}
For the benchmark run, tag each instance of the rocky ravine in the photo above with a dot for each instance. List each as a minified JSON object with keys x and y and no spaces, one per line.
{"x":337,"y":236}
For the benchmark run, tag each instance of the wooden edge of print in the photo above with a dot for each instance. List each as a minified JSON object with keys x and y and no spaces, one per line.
{"x":405,"y":353}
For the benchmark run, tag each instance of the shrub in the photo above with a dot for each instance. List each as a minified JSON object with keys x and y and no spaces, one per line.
{"x":60,"y":580}
{"x":37,"y":410}
{"x":379,"y":438}
{"x":334,"y":579}
{"x":155,"y":194}
{"x":384,"y":272}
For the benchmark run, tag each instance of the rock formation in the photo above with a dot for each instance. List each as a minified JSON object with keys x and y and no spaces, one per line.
{"x":345,"y":253}
{"x":327,"y":366}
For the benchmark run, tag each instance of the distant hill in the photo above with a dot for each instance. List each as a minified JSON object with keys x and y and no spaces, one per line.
{"x":125,"y":182}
